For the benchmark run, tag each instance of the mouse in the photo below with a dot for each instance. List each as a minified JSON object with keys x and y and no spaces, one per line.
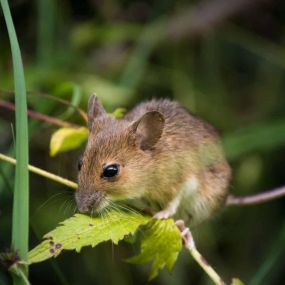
{"x":159,"y":158}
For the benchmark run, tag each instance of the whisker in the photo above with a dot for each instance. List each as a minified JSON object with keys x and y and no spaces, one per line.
{"x":47,"y":201}
{"x":64,"y":206}
{"x":69,"y":206}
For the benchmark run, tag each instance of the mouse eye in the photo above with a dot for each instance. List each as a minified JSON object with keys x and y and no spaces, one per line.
{"x":79,"y":164}
{"x":111,"y":170}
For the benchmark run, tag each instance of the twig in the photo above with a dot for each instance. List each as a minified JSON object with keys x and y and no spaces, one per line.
{"x":190,"y":245}
{"x":39,"y":116}
{"x":82,"y":114}
{"x":206,"y":266}
{"x":42,"y":172}
{"x":256,"y":199}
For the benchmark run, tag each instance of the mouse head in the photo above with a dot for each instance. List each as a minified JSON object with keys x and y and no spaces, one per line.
{"x":117,"y":161}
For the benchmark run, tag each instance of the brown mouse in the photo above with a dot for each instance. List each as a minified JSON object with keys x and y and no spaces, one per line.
{"x":158,"y":157}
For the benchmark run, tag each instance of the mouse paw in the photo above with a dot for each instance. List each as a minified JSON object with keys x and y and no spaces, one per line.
{"x":162,"y":215}
{"x":180,"y":225}
{"x":185,"y":234}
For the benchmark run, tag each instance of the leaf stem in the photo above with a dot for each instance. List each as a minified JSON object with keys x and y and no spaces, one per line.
{"x":42,"y":172}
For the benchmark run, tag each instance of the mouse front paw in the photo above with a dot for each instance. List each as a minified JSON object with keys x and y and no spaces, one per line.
{"x":164,"y":214}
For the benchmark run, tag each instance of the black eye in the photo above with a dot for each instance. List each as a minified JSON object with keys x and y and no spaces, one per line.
{"x":111,"y":170}
{"x":79,"y":164}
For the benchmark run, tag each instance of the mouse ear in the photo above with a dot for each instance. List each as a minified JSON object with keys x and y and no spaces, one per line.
{"x":95,"y":110}
{"x":148,"y":129}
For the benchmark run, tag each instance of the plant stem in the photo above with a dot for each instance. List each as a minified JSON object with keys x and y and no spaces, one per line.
{"x":22,"y":276}
{"x":39,"y":116}
{"x":41,"y":172}
{"x":82,"y":114}
{"x":190,"y":245}
{"x":206,"y":266}
{"x":256,"y":199}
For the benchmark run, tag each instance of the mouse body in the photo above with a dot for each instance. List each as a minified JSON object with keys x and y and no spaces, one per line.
{"x":160,"y":158}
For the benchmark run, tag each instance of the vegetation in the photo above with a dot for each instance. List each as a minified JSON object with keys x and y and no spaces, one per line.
{"x":216,"y":57}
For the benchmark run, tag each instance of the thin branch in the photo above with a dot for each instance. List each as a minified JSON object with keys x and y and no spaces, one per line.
{"x":206,"y":266}
{"x":39,"y":116}
{"x":256,"y":199}
{"x":191,"y":247}
{"x":42,"y":172}
{"x":82,"y":114}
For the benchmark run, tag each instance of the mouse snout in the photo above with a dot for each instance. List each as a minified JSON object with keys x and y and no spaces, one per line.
{"x":88,"y":201}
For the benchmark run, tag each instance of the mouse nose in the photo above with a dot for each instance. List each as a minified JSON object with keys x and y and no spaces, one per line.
{"x":84,"y":209}
{"x":88,"y":201}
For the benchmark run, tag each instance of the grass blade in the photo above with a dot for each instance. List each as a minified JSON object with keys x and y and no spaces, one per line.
{"x":20,"y":227}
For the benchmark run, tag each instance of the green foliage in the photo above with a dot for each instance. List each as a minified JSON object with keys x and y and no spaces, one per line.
{"x":75,"y":100}
{"x":109,"y":93}
{"x":86,"y":35}
{"x":160,"y":244}
{"x":270,"y":263}
{"x":65,"y":139}
{"x":236,"y":281}
{"x":160,"y":239}
{"x":81,"y":230}
{"x":19,"y":271}
{"x":263,"y":136}
{"x":119,"y":113}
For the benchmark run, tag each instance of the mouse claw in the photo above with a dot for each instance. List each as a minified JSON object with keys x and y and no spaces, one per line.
{"x":180,"y":224}
{"x":188,"y":238}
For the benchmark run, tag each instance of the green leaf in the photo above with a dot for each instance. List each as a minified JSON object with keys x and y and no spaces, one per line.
{"x":81,"y":230}
{"x":119,"y":113}
{"x":160,"y":244}
{"x":236,"y":281}
{"x":66,"y":139}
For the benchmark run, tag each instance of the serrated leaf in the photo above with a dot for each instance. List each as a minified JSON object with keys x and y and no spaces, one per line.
{"x":66,"y":139}
{"x":160,"y":244}
{"x":236,"y":281}
{"x":81,"y":230}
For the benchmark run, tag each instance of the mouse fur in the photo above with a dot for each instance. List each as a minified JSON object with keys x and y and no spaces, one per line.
{"x":170,"y":161}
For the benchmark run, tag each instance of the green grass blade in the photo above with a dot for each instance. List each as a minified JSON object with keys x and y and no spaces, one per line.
{"x":272,"y":261}
{"x":46,"y":28}
{"x":20,"y":227}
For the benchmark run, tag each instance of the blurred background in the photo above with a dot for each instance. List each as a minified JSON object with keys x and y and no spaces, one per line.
{"x":222,"y":59}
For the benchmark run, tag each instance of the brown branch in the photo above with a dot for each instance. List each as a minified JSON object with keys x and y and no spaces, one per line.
{"x":82,"y":114}
{"x":256,"y":199}
{"x":39,"y":116}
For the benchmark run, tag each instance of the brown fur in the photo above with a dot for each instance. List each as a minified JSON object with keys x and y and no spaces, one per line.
{"x":157,"y":152}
